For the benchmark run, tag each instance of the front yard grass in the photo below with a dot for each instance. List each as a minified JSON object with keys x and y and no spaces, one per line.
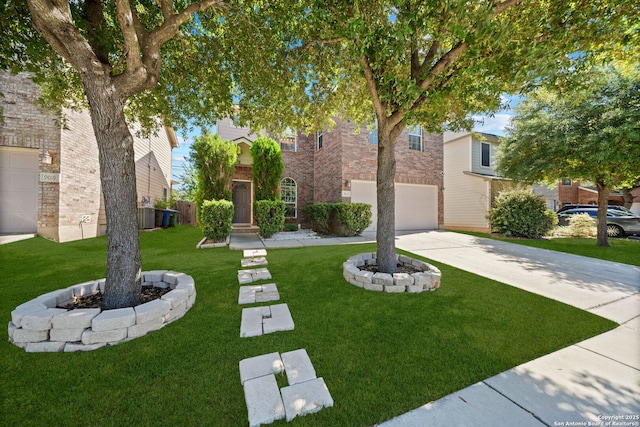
{"x":379,"y":354}
{"x":619,"y":250}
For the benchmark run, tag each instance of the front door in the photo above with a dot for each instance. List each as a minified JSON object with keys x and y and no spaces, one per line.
{"x":241,"y":202}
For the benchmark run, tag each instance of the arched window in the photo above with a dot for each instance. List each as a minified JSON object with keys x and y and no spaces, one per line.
{"x":289,"y":195}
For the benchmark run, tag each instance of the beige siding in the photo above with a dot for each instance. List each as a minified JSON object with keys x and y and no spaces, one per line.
{"x":466,"y":197}
{"x":153,"y":166}
{"x":228,"y":131}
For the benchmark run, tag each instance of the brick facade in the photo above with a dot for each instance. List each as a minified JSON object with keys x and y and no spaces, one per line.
{"x":26,"y":125}
{"x":73,"y":148}
{"x":578,"y":194}
{"x":321,"y":175}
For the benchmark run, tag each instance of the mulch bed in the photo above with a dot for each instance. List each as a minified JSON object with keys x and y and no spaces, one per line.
{"x":149,"y":293}
{"x":399,"y":268}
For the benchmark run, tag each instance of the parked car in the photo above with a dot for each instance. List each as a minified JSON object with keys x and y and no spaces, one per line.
{"x":614,"y":207}
{"x":619,"y":223}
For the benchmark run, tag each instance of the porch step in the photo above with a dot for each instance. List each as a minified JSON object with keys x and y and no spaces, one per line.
{"x":239,"y":229}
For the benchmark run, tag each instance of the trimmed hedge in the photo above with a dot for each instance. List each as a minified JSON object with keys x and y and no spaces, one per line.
{"x":522,"y":214}
{"x":355,"y":217}
{"x":349,"y":219}
{"x":318,"y":216}
{"x":216,"y":217}
{"x":269,"y":216}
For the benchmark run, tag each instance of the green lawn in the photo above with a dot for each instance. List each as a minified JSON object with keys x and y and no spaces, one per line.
{"x":620,"y":250}
{"x":379,"y":354}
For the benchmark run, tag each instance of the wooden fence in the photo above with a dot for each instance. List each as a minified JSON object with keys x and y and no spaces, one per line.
{"x":187,"y":212}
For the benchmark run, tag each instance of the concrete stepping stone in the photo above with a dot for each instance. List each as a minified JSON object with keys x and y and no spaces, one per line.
{"x":258,"y":293}
{"x":305,"y":398}
{"x":251,"y":253}
{"x":264,"y":404}
{"x":253,"y":262}
{"x":257,"y":321}
{"x":298,"y":366}
{"x":280,"y":319}
{"x":259,"y":366}
{"x":248,"y":276}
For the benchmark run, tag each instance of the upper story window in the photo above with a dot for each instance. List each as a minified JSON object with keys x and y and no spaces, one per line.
{"x":566,"y":181}
{"x":289,"y":195}
{"x":319,"y":140}
{"x":373,"y":134}
{"x":486,"y":155}
{"x":288,"y":140}
{"x":415,"y":138}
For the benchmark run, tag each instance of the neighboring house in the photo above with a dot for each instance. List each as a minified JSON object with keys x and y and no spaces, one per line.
{"x":471,"y":183}
{"x":50,"y":175}
{"x":339,"y":165}
{"x":573,"y":192}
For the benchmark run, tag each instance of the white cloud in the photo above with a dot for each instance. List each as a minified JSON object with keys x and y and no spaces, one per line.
{"x":495,"y":124}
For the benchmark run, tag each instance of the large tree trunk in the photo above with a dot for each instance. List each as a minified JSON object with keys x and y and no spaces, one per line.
{"x":118,"y":176}
{"x":386,"y":199}
{"x":603,"y":202}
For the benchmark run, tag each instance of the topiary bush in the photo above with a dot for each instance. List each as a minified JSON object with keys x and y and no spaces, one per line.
{"x":269,"y":216}
{"x":267,"y":168}
{"x":215,"y":219}
{"x":318,"y":216}
{"x":356,"y":217}
{"x":521,"y":214}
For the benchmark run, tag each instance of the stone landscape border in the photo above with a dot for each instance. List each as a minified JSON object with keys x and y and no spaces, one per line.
{"x":40,"y":326}
{"x":427,"y":279}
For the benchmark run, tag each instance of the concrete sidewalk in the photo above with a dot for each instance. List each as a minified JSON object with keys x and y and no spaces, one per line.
{"x":596,"y":381}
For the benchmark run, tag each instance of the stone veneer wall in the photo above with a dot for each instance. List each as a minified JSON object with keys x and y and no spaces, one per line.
{"x":428,"y":279}
{"x":40,"y":326}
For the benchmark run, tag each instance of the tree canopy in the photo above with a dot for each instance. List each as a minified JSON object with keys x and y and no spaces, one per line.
{"x":591,"y":133}
{"x":437,"y":63}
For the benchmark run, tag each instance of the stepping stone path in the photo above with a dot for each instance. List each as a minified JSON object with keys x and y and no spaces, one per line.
{"x":248,"y":276}
{"x":253,"y":262}
{"x":257,"y":321}
{"x":305,"y":393}
{"x":258,"y":293}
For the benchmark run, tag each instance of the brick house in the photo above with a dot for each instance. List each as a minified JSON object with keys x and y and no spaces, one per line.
{"x":573,"y":192}
{"x":339,"y":165}
{"x":50,"y":175}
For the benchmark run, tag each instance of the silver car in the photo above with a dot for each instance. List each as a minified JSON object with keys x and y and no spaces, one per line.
{"x":619,"y":223}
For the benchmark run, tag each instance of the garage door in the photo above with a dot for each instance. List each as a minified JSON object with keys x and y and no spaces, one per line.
{"x":416,"y":205}
{"x":18,"y":190}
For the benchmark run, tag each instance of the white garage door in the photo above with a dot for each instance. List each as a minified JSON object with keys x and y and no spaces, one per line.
{"x":416,"y":205}
{"x":18,"y":190}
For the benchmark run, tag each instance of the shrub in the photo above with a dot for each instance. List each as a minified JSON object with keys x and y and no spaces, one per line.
{"x":214,"y":160}
{"x":215,"y":219}
{"x":267,"y":168}
{"x":522,"y":214}
{"x":318,"y":216}
{"x":269,"y":216}
{"x":290,"y":227}
{"x":348,"y":219}
{"x":580,"y":225}
{"x":354,"y":216}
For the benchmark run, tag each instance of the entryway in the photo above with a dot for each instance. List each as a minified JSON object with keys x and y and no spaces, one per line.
{"x":241,"y":197}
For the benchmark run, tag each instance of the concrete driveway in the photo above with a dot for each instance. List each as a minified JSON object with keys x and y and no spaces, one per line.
{"x":595,"y":382}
